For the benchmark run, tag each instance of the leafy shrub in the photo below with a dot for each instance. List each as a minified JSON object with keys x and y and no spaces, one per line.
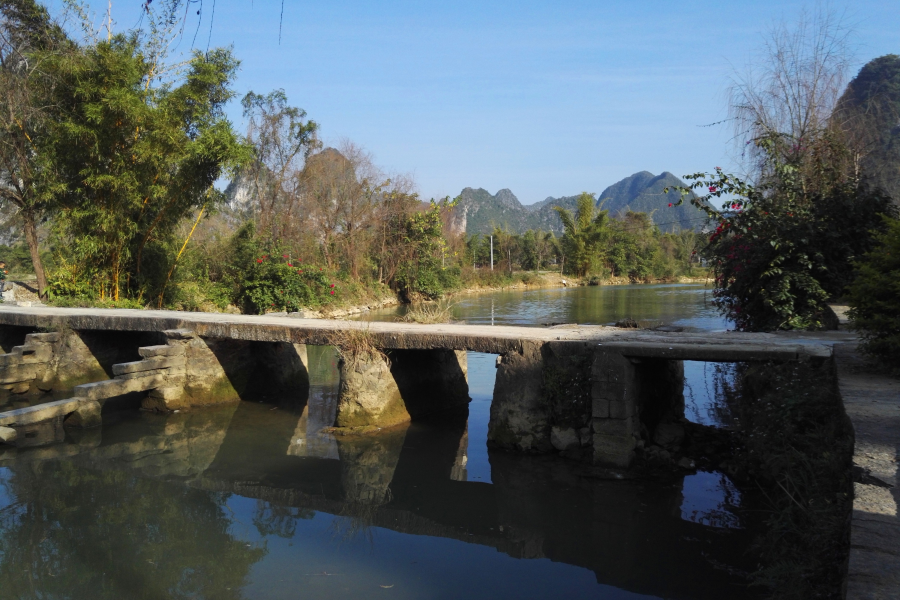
{"x":781,"y":249}
{"x":875,"y":297}
{"x":278,"y":285}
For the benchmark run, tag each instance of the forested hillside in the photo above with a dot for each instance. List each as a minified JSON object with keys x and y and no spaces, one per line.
{"x":641,"y":192}
{"x":870,"y":109}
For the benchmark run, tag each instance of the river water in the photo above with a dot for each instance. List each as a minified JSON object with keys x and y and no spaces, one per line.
{"x":252,"y":501}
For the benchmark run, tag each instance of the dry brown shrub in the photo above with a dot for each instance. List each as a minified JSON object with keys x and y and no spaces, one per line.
{"x":356,"y":344}
{"x":429,"y":312}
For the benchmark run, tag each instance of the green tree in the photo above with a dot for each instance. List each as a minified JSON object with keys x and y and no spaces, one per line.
{"x":132,"y":160}
{"x":583,"y":242}
{"x":875,"y":297}
{"x":782,"y":249}
{"x":29,"y":42}
{"x":423,"y":247}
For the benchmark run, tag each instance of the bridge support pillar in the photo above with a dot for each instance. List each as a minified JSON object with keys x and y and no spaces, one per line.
{"x":582,"y":400}
{"x":380,"y":390}
{"x":615,"y":418}
{"x":218,"y":371}
{"x":519,"y":411}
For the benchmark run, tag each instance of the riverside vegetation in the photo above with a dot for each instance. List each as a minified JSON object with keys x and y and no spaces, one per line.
{"x":110,"y":150}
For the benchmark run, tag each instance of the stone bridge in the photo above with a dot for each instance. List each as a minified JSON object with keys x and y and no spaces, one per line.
{"x":583,"y":390}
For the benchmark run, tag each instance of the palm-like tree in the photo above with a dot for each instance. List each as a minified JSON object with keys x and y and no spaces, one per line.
{"x":583,"y":243}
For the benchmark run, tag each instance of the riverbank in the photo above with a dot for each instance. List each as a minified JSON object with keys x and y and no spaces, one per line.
{"x":359,"y":299}
{"x":551,"y":279}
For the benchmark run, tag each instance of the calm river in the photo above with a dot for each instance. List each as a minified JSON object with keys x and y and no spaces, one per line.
{"x":252,"y":501}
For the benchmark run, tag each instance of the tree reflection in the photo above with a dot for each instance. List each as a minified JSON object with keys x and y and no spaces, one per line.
{"x":77,"y":533}
{"x":274,"y":519}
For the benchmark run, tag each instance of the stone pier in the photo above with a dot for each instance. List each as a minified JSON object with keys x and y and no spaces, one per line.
{"x":571,"y":397}
{"x":385,"y":389}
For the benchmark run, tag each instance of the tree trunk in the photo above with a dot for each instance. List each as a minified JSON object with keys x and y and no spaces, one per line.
{"x":31,"y":238}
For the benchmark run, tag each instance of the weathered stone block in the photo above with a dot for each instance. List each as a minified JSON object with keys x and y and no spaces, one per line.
{"x":564,"y":438}
{"x":8,"y":435}
{"x":140,"y":374}
{"x":168,"y":392}
{"x":166,"y":399}
{"x":600,"y":408}
{"x":613,"y":451}
{"x":39,"y":412}
{"x":87,"y":415}
{"x":34,"y":353}
{"x":621,"y":408}
{"x":16,"y":373}
{"x":668,"y":435}
{"x":103,"y":390}
{"x":368,"y":394}
{"x":161,"y":350}
{"x":519,"y":413}
{"x":614,"y":427}
{"x":179,"y":334}
{"x":43,"y":338}
{"x":148,"y":364}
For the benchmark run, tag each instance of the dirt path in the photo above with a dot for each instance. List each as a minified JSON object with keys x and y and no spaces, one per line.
{"x":873,"y":403}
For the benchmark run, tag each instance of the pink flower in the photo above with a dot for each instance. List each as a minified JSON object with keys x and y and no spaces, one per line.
{"x":284,"y":256}
{"x":670,"y":205}
{"x":290,"y":264}
{"x":712,"y":189}
{"x":258,"y":260}
{"x":332,"y":292}
{"x":332,"y":285}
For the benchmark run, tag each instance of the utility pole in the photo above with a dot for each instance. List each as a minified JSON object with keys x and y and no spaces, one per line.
{"x":492,"y":253}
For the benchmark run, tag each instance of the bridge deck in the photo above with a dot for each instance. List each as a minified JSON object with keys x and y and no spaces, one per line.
{"x":711,"y":346}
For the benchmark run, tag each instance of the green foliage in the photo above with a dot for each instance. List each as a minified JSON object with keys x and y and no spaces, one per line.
{"x":875,"y":297}
{"x":17,"y":258}
{"x":128,"y":161}
{"x":782,"y":248}
{"x":585,"y":236}
{"x":274,"y":284}
{"x":798,"y":448}
{"x":423,"y":272}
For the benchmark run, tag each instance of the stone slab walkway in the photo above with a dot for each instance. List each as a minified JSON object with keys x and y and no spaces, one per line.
{"x":872,"y":402}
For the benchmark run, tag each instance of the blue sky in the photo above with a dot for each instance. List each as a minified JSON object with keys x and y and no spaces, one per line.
{"x":544,"y":98}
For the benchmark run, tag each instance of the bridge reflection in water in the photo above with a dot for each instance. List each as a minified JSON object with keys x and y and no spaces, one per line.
{"x":157,"y":506}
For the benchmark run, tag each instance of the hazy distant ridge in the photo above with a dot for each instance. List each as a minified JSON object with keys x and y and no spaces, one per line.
{"x":641,"y":192}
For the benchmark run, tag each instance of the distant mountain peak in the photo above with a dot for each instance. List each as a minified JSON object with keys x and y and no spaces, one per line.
{"x":640,"y":192}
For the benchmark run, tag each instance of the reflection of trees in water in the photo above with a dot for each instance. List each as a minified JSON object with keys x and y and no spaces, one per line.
{"x":78,"y":533}
{"x":356,"y":520}
{"x":725,"y":512}
{"x":272,"y":519}
{"x":720,"y":381}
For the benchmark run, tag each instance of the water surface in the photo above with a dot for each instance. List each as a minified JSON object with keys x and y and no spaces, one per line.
{"x":252,"y":501}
